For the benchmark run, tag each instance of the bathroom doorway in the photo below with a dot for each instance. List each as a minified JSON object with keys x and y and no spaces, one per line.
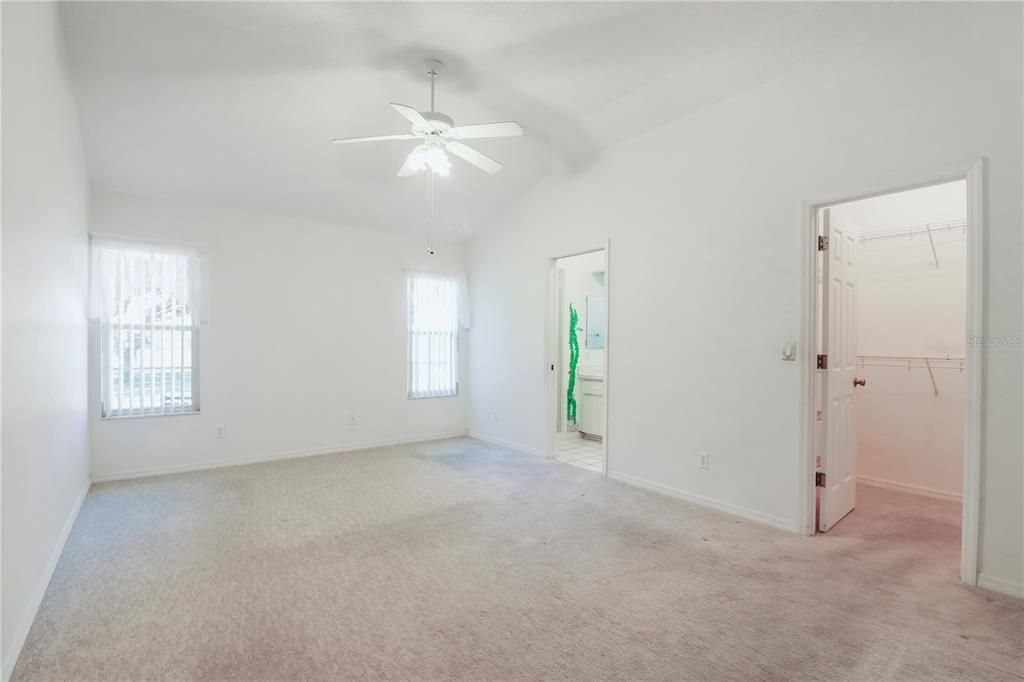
{"x":578,"y":341}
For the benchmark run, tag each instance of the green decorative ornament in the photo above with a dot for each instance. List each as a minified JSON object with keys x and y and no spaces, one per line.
{"x":574,"y":356}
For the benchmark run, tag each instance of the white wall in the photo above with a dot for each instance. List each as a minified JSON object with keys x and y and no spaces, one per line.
{"x":307,"y":329}
{"x":706,"y":221}
{"x":45,"y":441}
{"x":908,"y":436}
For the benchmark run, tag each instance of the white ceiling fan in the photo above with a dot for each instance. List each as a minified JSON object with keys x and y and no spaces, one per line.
{"x":439,"y":134}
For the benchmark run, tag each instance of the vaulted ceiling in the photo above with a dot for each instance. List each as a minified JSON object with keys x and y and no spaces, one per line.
{"x":232,"y":104}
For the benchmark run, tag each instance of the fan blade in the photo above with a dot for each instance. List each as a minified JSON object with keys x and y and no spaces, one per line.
{"x":474,"y":157}
{"x":406,"y":170}
{"x":502,"y":129}
{"x":350,"y":140}
{"x":414,"y":117}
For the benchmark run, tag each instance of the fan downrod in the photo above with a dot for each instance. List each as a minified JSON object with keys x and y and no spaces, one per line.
{"x":439,"y":122}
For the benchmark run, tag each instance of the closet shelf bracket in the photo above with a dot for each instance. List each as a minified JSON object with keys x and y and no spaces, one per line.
{"x":931,"y":240}
{"x":931,"y":375}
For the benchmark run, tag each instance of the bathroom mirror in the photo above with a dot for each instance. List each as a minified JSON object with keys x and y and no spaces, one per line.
{"x":595,"y":322}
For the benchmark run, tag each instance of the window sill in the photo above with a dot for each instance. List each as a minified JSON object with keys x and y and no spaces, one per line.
{"x":121,"y":417}
{"x":431,"y":397}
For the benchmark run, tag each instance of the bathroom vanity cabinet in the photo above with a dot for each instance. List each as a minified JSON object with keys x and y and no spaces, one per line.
{"x":590,"y":405}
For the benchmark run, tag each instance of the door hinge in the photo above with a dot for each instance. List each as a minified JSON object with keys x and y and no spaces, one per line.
{"x":819,"y":479}
{"x":822,"y":361}
{"x":822,"y":243}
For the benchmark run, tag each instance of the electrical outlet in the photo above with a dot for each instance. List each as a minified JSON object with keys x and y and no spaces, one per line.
{"x":220,"y":430}
{"x":353,"y":420}
{"x":703,"y":461}
{"x":496,"y":420}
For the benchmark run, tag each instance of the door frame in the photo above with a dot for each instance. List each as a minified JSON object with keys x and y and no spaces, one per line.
{"x":551,"y":348}
{"x":974,"y":363}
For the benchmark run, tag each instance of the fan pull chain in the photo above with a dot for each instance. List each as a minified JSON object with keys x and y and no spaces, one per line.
{"x":430,"y":225}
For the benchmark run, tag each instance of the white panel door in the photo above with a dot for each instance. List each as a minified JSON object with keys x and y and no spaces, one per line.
{"x":839,"y":343}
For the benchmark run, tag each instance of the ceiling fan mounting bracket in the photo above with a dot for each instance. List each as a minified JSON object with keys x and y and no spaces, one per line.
{"x":434,"y":67}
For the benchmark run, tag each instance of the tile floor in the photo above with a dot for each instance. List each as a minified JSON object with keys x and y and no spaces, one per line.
{"x":582,"y":452}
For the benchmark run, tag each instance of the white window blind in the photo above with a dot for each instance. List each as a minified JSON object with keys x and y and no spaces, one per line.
{"x":146,"y":298}
{"x":433,"y":331}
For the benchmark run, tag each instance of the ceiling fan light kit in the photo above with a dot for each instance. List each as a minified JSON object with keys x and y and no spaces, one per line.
{"x":439,"y":136}
{"x":427,"y":155}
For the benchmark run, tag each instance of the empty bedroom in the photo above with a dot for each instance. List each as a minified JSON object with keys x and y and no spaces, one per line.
{"x":512,"y":340}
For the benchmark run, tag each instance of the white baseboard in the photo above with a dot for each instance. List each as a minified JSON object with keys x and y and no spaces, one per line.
{"x":741,"y":512}
{"x":21,"y":633}
{"x":294,"y":454}
{"x":908,"y":488}
{"x":1001,"y":586}
{"x":505,"y":444}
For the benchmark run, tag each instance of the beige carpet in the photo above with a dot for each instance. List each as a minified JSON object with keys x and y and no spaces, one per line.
{"x":463,"y":560}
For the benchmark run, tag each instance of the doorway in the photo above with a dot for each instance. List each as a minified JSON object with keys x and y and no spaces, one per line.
{"x":578,"y":342}
{"x":896,"y":291}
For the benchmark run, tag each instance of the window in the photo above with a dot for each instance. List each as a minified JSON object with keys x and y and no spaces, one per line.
{"x":146,"y":299}
{"x":433,"y":328}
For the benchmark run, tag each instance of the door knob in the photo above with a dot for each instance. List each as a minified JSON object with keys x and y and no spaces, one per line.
{"x":860,"y":382}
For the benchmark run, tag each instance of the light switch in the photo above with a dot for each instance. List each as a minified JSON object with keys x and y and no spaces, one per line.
{"x":789,"y":352}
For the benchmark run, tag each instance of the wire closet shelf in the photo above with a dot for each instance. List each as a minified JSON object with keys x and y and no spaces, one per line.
{"x":909,"y":362}
{"x":945,"y":231}
{"x":923,"y":230}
